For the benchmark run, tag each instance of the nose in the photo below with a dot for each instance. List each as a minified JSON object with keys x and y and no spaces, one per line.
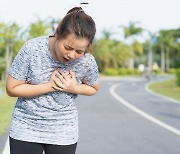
{"x":71,"y":54}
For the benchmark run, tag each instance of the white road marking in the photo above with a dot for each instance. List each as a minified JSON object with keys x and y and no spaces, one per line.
{"x":142,"y":113}
{"x":6,"y":149}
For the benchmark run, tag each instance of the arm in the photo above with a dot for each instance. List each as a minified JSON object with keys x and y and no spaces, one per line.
{"x":17,"y":88}
{"x":84,"y":89}
{"x":67,"y":82}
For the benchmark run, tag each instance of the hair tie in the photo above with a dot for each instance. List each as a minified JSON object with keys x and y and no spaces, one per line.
{"x":80,"y":10}
{"x":75,"y":10}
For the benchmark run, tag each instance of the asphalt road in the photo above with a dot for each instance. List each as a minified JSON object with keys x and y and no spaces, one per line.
{"x":109,"y":127}
{"x":123,"y":118}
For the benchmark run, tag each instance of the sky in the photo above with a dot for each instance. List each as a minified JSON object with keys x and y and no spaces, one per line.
{"x":152,"y":15}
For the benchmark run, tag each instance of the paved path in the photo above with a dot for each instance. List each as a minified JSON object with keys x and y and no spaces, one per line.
{"x":109,"y":126}
{"x":123,"y":118}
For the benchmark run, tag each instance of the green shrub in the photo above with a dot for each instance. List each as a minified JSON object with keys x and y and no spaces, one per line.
{"x":158,"y":70}
{"x":122,"y":71}
{"x":2,"y":66}
{"x":110,"y":72}
{"x":130,"y":71}
{"x":178,"y":76}
{"x":172,"y":70}
{"x":136,"y":72}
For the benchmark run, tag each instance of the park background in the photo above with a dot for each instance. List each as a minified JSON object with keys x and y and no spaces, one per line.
{"x":129,"y":33}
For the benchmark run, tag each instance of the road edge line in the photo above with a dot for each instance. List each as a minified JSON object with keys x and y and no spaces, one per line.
{"x":6,"y":149}
{"x":142,"y":113}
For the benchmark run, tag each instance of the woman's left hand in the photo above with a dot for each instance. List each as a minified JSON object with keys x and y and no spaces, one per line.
{"x":66,"y":81}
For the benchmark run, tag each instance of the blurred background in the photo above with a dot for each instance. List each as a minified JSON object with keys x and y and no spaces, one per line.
{"x":139,"y":38}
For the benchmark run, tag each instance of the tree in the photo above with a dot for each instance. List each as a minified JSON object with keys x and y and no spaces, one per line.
{"x":131,"y":31}
{"x":103,"y":53}
{"x":107,"y":34}
{"x":39,"y":28}
{"x":168,"y":45}
{"x":9,"y":36}
{"x":150,"y":43}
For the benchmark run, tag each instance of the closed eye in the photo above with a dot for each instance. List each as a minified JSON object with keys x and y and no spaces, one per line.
{"x":79,"y":51}
{"x":68,"y":48}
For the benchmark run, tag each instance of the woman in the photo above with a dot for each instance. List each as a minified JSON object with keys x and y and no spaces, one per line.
{"x":47,"y":75}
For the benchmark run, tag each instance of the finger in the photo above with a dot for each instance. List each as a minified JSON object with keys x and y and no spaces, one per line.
{"x":58,"y":82}
{"x":57,"y":88}
{"x":72,"y":74}
{"x":60,"y":77}
{"x":65,"y":75}
{"x":55,"y":72}
{"x":62,"y":72}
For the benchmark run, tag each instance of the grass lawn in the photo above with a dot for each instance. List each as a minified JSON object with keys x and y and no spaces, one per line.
{"x":167,"y":88}
{"x":6,"y":107}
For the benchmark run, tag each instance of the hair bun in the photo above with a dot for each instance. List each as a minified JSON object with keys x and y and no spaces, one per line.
{"x":75,"y":10}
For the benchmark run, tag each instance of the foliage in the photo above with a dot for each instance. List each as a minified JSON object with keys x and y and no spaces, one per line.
{"x":110,"y":72}
{"x":122,"y":71}
{"x":178,"y":76}
{"x":132,"y":29}
{"x":172,"y":71}
{"x":169,"y":39}
{"x":2,"y":66}
{"x":9,"y":35}
{"x":138,"y":48}
{"x":111,"y":54}
{"x":38,"y":28}
{"x":12,"y":37}
{"x":107,"y":34}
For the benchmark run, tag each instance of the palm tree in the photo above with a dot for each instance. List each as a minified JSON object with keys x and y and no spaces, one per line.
{"x":150,"y":42}
{"x":167,"y":42}
{"x":107,"y":33}
{"x":131,"y":31}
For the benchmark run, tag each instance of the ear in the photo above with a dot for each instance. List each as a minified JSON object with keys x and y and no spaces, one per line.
{"x":89,"y":48}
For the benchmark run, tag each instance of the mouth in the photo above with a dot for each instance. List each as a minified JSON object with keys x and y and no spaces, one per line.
{"x":65,"y":59}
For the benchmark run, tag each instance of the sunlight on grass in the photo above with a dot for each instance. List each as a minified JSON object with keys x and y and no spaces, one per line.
{"x":167,"y":88}
{"x":6,"y":107}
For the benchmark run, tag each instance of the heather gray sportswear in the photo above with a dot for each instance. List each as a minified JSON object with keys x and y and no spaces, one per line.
{"x":51,"y":118}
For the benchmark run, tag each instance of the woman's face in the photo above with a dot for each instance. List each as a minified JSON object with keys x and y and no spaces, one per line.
{"x":70,"y":48}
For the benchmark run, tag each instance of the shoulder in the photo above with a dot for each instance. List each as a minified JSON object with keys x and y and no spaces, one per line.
{"x":89,"y":58}
{"x":89,"y":61}
{"x":37,"y":42}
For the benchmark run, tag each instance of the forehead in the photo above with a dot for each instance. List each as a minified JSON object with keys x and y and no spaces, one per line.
{"x":75,"y":42}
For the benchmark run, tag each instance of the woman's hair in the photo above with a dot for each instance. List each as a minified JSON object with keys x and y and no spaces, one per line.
{"x":77,"y":22}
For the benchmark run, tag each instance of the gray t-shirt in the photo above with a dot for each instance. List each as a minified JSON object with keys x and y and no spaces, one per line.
{"x":51,"y":118}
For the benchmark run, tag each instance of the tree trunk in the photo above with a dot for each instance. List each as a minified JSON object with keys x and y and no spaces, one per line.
{"x":167,"y":59}
{"x":150,"y":59}
{"x":131,"y":63}
{"x":162,"y":58}
{"x":9,"y":55}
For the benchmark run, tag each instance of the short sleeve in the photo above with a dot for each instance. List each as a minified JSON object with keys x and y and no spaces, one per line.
{"x":92,"y":73}
{"x":20,"y":65}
